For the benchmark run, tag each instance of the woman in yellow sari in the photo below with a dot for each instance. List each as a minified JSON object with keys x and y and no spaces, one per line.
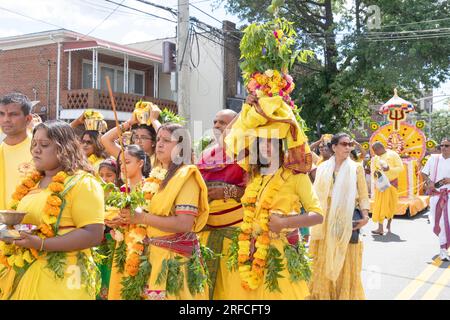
{"x":177,"y":208}
{"x":341,"y":187}
{"x":268,"y":257}
{"x":66,"y":203}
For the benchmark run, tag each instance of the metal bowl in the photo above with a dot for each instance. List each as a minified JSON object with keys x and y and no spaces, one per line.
{"x":11,"y":217}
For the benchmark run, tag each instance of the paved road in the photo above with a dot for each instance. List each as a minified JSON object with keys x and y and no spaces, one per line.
{"x":405,"y":263}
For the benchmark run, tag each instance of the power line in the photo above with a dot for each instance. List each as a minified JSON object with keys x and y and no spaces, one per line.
{"x":106,"y":18}
{"x":102,"y":8}
{"x":410,"y":23}
{"x":168,"y":9}
{"x":438,"y":35}
{"x":147,"y":13}
{"x":35,"y":19}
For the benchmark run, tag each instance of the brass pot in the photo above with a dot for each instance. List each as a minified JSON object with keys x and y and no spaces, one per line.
{"x":11,"y":217}
{"x":93,"y":124}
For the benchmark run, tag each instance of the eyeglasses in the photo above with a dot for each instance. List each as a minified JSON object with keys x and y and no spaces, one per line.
{"x":86,"y":142}
{"x":347,"y":144}
{"x":141,"y":138}
{"x":445,"y":145}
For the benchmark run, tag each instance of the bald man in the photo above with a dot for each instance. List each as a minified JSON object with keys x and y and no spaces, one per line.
{"x":225,"y":180}
{"x":385,"y":205}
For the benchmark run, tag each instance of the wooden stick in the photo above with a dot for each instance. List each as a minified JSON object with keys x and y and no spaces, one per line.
{"x":122,"y":148}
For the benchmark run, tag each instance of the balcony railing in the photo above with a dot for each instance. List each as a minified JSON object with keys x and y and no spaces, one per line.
{"x":98,"y":99}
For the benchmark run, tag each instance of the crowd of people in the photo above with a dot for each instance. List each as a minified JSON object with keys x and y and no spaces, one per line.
{"x":208,"y":226}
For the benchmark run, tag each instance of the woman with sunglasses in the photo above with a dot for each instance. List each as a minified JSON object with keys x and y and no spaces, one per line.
{"x":335,"y":247}
{"x":91,"y":144}
{"x":176,"y":211}
{"x":142,"y":135}
{"x":437,"y":176}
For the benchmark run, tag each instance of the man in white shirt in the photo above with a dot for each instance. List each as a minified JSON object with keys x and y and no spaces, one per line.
{"x":437,"y":176}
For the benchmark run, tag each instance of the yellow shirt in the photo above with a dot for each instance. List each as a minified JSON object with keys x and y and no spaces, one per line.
{"x":16,"y":163}
{"x":394,"y":162}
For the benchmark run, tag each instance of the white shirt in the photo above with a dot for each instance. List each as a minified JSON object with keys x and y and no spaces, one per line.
{"x":443,"y":169}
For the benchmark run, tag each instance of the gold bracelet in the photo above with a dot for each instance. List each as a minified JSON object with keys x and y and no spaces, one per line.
{"x":42,"y":245}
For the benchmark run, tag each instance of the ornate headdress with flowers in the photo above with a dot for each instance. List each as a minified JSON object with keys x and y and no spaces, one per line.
{"x":269,"y":51}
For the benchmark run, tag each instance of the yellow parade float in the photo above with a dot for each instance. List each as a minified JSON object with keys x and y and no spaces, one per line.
{"x":409,"y":141}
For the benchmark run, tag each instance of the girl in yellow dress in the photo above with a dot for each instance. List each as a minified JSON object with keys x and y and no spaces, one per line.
{"x":341,"y":187}
{"x":177,"y":209}
{"x":137,"y":167}
{"x":66,"y":202}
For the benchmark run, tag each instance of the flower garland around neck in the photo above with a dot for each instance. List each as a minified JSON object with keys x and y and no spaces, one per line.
{"x":14,"y":256}
{"x":136,"y":268}
{"x":255,"y":229}
{"x":137,"y":233}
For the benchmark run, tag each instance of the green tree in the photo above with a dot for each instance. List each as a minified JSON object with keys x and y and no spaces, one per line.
{"x":440,"y":125}
{"x":354,"y":65}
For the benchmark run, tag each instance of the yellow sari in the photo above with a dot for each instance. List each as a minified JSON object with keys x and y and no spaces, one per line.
{"x":84,"y":206}
{"x":185,"y":193}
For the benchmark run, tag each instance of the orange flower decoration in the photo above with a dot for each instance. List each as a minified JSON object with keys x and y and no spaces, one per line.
{"x":51,"y":210}
{"x":141,"y":231}
{"x":56,"y":187}
{"x":60,"y":177}
{"x":22,"y":189}
{"x":29,"y":183}
{"x":138,"y":247}
{"x":54,"y":201}
{"x":46,"y":230}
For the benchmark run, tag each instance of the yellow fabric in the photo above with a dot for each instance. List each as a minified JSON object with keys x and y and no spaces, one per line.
{"x":226,"y":219}
{"x":95,"y":162}
{"x":188,"y":188}
{"x":250,"y":124}
{"x":348,"y":286}
{"x":403,"y":179}
{"x":84,"y":206}
{"x":385,"y":204}
{"x":163,"y":203}
{"x":414,"y":205}
{"x":15,"y":163}
{"x":296,"y":192}
{"x":393,"y":160}
{"x":185,"y":188}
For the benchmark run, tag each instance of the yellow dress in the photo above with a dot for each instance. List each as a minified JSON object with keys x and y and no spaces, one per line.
{"x":95,"y":162}
{"x":225,"y":223}
{"x":348,"y":286}
{"x":84,"y":206}
{"x":192,"y":194}
{"x":15,"y":164}
{"x":185,"y":193}
{"x":385,"y":203}
{"x":296,"y":192}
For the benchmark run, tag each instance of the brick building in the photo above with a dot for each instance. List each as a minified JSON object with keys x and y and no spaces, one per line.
{"x":57,"y":68}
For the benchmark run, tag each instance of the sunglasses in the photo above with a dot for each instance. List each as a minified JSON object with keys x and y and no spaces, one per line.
{"x":347,"y":144}
{"x":89,"y":142}
{"x":445,"y":145}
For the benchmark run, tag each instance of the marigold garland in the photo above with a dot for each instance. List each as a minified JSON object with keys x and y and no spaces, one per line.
{"x":252,"y":263}
{"x":12,"y":255}
{"x":136,"y":234}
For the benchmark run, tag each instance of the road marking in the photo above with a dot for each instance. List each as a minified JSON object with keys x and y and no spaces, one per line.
{"x":418,"y":282}
{"x":438,"y":286}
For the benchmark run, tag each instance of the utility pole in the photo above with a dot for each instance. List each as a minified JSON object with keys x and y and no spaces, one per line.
{"x":183,"y":58}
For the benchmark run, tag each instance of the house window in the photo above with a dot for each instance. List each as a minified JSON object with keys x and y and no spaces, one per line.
{"x":136,"y":78}
{"x":87,"y":76}
{"x":107,"y":72}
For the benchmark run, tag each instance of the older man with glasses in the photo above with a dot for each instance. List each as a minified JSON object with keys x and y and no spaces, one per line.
{"x":437,"y":176}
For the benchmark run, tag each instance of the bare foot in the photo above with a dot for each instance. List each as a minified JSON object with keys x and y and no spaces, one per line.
{"x":389,"y":225}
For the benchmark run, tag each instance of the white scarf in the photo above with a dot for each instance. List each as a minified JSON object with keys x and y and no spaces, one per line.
{"x":337,"y":226}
